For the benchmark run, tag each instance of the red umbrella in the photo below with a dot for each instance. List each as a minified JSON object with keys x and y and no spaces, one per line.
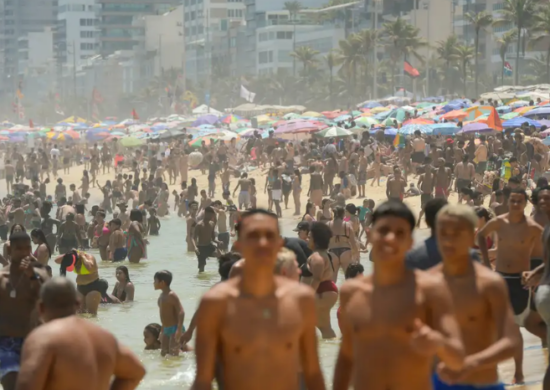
{"x":333,"y":114}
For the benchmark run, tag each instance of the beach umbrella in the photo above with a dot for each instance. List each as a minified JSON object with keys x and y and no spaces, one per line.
{"x":291,"y":115}
{"x":541,"y":111}
{"x":299,"y":126}
{"x":546,"y":141}
{"x":249,"y":132}
{"x":119,"y":133}
{"x":330,"y":132}
{"x":366,"y":121}
{"x":419,"y":121}
{"x":5,"y":132}
{"x":523,"y":110}
{"x":313,"y":114}
{"x":504,"y":109}
{"x":510,"y":115}
{"x":4,"y":138}
{"x":197,"y":142}
{"x":208,"y":119}
{"x":263,"y":119}
{"x":519,"y":121}
{"x":74,"y":119}
{"x":333,"y":114}
{"x":207,"y":128}
{"x":475,"y":127}
{"x":410,"y":129}
{"x":342,"y":118}
{"x":447,"y":128}
{"x":425,"y":105}
{"x":371,"y":104}
{"x":55,"y":136}
{"x":129,"y":142}
{"x":391,"y":122}
{"x":223,"y":135}
{"x":518,"y":103}
{"x":543,"y":122}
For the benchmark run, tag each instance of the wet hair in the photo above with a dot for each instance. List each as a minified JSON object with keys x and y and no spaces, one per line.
{"x":79,"y":208}
{"x":59,"y":294}
{"x":461,"y":211}
{"x":339,"y":212}
{"x":394,"y":208}
{"x":116,"y":221}
{"x":226,"y":262}
{"x":320,"y":234}
{"x":154,"y":329}
{"x":432,"y":208}
{"x":252,"y":212}
{"x":68,"y":259}
{"x":13,"y":228}
{"x":353,"y":270}
{"x":124,"y":270}
{"x":19,"y":237}
{"x":521,"y":192}
{"x":482,"y":212}
{"x":38,"y":233}
{"x":164,"y":276}
{"x":136,"y":215}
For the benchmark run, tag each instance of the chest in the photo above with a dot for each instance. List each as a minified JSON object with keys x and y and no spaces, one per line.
{"x":469,"y":301}
{"x":516,"y":235}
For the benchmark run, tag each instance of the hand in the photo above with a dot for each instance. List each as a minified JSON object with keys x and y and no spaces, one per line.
{"x":26,"y":266}
{"x":531,"y":278}
{"x":424,"y":339}
{"x":177,"y":336}
{"x":186,"y":337}
{"x":452,"y":377}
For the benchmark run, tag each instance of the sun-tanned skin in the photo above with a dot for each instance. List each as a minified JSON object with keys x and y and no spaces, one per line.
{"x":87,"y":360}
{"x":481,"y":304}
{"x":395,"y":321}
{"x":260,"y":326}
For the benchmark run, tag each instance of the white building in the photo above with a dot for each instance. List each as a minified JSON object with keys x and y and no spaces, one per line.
{"x":77,"y":31}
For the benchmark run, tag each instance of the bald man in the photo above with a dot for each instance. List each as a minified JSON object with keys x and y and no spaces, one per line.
{"x":71,"y":352}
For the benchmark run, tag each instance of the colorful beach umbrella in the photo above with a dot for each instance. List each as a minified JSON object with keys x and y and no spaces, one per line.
{"x":333,"y":132}
{"x":130,"y":142}
{"x":366,"y":121}
{"x":520,"y":120}
{"x":448,"y":128}
{"x":410,"y":129}
{"x":230,"y":119}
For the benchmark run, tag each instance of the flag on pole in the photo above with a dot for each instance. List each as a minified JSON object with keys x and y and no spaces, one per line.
{"x":247,"y":95}
{"x":508,"y":70}
{"x":134,"y":114}
{"x":410,"y":70}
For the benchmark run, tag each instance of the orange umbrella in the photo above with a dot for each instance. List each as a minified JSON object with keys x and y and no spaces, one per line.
{"x":455,"y":114}
{"x":523,"y":110}
{"x":419,"y":121}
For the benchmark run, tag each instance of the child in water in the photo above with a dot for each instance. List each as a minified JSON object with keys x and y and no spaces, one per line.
{"x":171,"y":314}
{"x":151,"y":338}
{"x":153,"y":222}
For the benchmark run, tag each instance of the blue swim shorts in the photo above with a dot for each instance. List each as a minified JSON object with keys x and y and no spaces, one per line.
{"x":171,"y":330}
{"x":440,"y":385}
{"x":10,"y":354}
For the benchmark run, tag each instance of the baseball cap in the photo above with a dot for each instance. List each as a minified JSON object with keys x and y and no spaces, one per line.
{"x":304,"y":225}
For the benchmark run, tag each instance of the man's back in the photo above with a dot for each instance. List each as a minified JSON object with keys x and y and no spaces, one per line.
{"x":71,"y":353}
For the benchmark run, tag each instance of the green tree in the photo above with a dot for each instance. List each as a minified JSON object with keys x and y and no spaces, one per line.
{"x":446,"y":50}
{"x":518,"y":13}
{"x":307,"y":56}
{"x":465,"y":54}
{"x":293,"y":8}
{"x":479,"y":21}
{"x":504,"y":43}
{"x":541,"y":29}
{"x":350,"y":56}
{"x":368,"y":40}
{"x":402,"y":40}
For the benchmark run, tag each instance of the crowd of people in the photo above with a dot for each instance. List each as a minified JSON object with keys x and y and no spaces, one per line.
{"x":441,"y":313}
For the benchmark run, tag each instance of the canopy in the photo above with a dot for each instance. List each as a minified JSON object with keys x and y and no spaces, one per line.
{"x":204,"y":109}
{"x":333,"y":132}
{"x":519,"y":121}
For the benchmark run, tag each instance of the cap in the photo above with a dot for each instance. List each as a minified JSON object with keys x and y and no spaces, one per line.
{"x":304,"y":225}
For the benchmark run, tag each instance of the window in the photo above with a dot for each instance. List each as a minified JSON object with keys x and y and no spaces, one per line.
{"x":265,"y":57}
{"x":86,"y":34}
{"x":288,"y":35}
{"x":86,"y":46}
{"x":86,"y":22}
{"x":82,"y":22}
{"x":280,"y":35}
{"x":263,"y":37}
{"x":193,"y":15}
{"x":186,"y":17}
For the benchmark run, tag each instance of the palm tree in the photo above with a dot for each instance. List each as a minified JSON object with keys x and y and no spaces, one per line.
{"x":307,"y":56}
{"x":541,"y":28}
{"x":504,"y":42}
{"x":480,"y":21}
{"x":465,"y":54}
{"x":402,"y":40}
{"x":446,"y":50}
{"x":368,"y":39}
{"x":519,"y":13}
{"x":293,"y":8}
{"x":350,"y":56}
{"x":331,"y":59}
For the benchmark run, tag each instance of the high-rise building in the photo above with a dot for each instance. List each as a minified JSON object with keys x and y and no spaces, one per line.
{"x":16,"y":20}
{"x":118,"y":25}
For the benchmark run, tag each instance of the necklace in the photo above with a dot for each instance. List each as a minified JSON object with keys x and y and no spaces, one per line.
{"x":13,"y":292}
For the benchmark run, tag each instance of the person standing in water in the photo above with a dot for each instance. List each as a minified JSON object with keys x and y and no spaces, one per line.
{"x":87,"y":361}
{"x":117,"y":241}
{"x":395,"y":321}
{"x":171,"y":314}
{"x":137,"y":246}
{"x":204,"y":238}
{"x":270,"y":329}
{"x":480,"y":301}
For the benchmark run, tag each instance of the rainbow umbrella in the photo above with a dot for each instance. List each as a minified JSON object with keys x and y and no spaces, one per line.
{"x":231,"y":119}
{"x":55,"y":136}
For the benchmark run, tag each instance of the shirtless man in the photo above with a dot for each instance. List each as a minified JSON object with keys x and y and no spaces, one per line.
{"x":517,"y":235}
{"x":392,"y":346}
{"x":204,"y":238}
{"x":117,"y":241}
{"x":17,"y":212}
{"x":315,"y":192}
{"x":225,"y":176}
{"x":124,"y":216}
{"x":68,"y":235}
{"x":75,"y":194}
{"x":465,"y":174}
{"x":244,"y":195}
{"x":480,"y":300}
{"x":19,"y":288}
{"x":426,"y":186}
{"x":223,"y":232}
{"x":171,"y":314}
{"x":443,"y":179}
{"x":88,"y":361}
{"x":264,"y":355}
{"x":419,"y":150}
{"x":395,"y":187}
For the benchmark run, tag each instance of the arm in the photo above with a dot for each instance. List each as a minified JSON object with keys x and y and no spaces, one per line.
{"x":112,"y":247}
{"x":316,"y":265}
{"x":313,"y":375}
{"x":344,"y":362}
{"x":489,"y":228}
{"x":36,"y":361}
{"x":128,"y":371}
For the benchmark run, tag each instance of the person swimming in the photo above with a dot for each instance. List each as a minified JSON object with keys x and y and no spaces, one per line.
{"x":151,"y":338}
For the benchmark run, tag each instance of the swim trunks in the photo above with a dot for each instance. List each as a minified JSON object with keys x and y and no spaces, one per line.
{"x":10,"y":354}
{"x":120,"y":254}
{"x":418,"y":157}
{"x":520,"y":298}
{"x":440,"y":385}
{"x":425,"y":198}
{"x":99,"y":285}
{"x":171,"y":330}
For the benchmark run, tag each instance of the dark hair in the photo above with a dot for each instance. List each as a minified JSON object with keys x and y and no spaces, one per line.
{"x":68,"y":259}
{"x":515,"y":180}
{"x":79,"y":208}
{"x":164,"y":276}
{"x":339,"y":212}
{"x":521,"y":192}
{"x":542,"y":182}
{"x":136,"y":215}
{"x":536,"y":192}
{"x":19,"y":237}
{"x":38,"y":233}
{"x":351,"y":208}
{"x":226,"y":262}
{"x":116,"y":221}
{"x":353,"y":270}
{"x":13,"y":227}
{"x":482,"y":212}
{"x":250,"y":213}
{"x":124,"y":270}
{"x":320,"y":234}
{"x":394,"y":208}
{"x":432,"y":208}
{"x":154,"y":329}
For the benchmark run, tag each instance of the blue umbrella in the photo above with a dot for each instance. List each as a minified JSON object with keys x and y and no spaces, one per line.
{"x":390,"y":131}
{"x":541,"y":111}
{"x":520,"y":120}
{"x":448,"y":128}
{"x":371,"y":105}
{"x":341,"y":118}
{"x":504,"y":109}
{"x":410,"y":129}
{"x":209,"y":119}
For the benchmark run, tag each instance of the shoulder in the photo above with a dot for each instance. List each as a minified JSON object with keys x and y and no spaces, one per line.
{"x":356,"y":285}
{"x":431,"y":282}
{"x":293,"y":289}
{"x":534,"y":225}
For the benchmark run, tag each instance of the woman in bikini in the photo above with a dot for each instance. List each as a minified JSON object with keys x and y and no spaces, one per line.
{"x":324,"y":214}
{"x":309,"y":216}
{"x":43,"y":252}
{"x":318,"y":272}
{"x":137,"y":246}
{"x":343,"y":243}
{"x":124,"y":288}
